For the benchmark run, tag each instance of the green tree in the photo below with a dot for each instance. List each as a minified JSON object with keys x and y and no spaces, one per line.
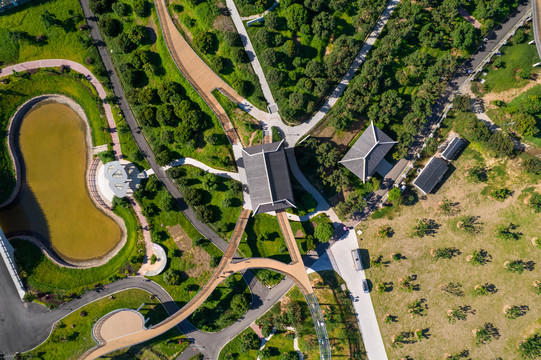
{"x":395,"y":196}
{"x":141,"y":8}
{"x":268,"y":57}
{"x":125,"y":43}
{"x":464,"y":35}
{"x":531,"y":347}
{"x":323,"y":25}
{"x":110,"y":26}
{"x":206,"y":42}
{"x":239,"y":303}
{"x":172,"y":277}
{"x":462,"y":102}
{"x":535,"y":202}
{"x":525,"y":124}
{"x":121,"y":9}
{"x":296,"y":16}
{"x":147,"y":116}
{"x":47,"y":19}
{"x":323,"y":231}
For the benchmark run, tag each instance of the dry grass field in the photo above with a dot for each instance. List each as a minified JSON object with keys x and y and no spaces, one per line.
{"x":432,"y":335}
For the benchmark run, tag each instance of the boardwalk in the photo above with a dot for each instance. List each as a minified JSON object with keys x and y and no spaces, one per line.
{"x":200,"y":76}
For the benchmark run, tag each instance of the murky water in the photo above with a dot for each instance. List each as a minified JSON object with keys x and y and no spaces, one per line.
{"x":54,"y":202}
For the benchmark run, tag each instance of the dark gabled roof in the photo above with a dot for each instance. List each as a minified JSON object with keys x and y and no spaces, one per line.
{"x":367,"y":152}
{"x":267,"y":174}
{"x":431,"y":175}
{"x":453,"y":148}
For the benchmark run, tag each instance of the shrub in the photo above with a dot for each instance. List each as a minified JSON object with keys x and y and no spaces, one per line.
{"x":125,"y":43}
{"x":99,"y":7}
{"x":516,"y":266}
{"x":477,"y":174}
{"x":532,"y":165}
{"x":462,"y":103}
{"x":153,"y":259}
{"x":121,"y":9}
{"x":486,"y":334}
{"x":501,"y":144}
{"x":507,"y":233}
{"x":452,"y":288}
{"x":480,"y":257}
{"x":384,"y":231}
{"x":445,"y":253}
{"x":323,"y":231}
{"x":417,"y":308}
{"x":395,"y":196}
{"x":206,"y":42}
{"x":141,"y":8}
{"x":423,"y":227}
{"x":531,"y":347}
{"x":500,"y":194}
{"x":110,"y":26}
{"x":172,"y":277}
{"x":469,"y":224}
{"x":535,"y":202}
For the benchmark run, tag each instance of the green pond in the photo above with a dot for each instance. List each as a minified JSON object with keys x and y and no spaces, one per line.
{"x":54,"y":203}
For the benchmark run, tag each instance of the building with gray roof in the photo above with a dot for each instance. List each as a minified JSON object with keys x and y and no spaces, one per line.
{"x":453,"y":149}
{"x":267,"y":175}
{"x":366,"y":156}
{"x":431,"y":175}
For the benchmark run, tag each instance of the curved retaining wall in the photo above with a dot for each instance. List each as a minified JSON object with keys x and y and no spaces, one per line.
{"x":13,"y":129}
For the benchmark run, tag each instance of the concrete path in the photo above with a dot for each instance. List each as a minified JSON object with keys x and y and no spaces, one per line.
{"x":295,"y":133}
{"x":38,"y":64}
{"x":362,"y":303}
{"x":258,"y":16}
{"x":247,"y":43}
{"x":202,"y":166}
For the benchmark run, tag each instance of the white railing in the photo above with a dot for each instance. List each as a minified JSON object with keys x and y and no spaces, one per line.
{"x":7,"y":251}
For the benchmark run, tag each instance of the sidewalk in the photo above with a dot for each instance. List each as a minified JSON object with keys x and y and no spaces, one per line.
{"x":202,"y":166}
{"x":37,"y":64}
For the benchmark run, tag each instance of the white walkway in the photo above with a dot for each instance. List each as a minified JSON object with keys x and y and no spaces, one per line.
{"x":295,"y":133}
{"x":362,"y":303}
{"x":202,"y":166}
{"x":273,"y":108}
{"x":257,"y":16}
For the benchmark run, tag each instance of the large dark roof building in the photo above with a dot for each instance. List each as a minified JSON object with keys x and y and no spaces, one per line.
{"x":366,"y":156}
{"x":453,"y":149}
{"x":267,"y":174}
{"x":431,"y":175}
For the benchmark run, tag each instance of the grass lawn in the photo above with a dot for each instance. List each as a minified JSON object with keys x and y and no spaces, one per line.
{"x":247,"y":127}
{"x":164,"y":69}
{"x":438,"y":335}
{"x":221,"y":308}
{"x":193,"y":19}
{"x":72,"y":335}
{"x":225,"y":212}
{"x":515,"y":56}
{"x":344,"y":334}
{"x":234,"y":347}
{"x":43,"y":275}
{"x":19,"y":89}
{"x":20,"y":27}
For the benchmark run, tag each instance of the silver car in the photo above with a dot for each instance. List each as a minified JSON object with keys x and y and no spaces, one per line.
{"x":366,"y":289}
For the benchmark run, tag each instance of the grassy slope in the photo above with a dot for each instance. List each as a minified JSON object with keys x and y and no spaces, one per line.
{"x":79,"y":337}
{"x":20,"y":90}
{"x":59,"y":44}
{"x":514,"y":57}
{"x":513,"y":289}
{"x":44,"y":275}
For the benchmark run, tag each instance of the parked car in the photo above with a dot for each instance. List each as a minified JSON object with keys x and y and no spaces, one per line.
{"x":366,"y":289}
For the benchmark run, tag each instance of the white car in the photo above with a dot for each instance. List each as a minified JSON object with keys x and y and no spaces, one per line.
{"x":366,"y":289}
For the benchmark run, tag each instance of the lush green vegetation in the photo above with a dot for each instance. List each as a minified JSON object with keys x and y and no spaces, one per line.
{"x":514,"y":67}
{"x":48,"y":30}
{"x":403,"y":75}
{"x":175,"y":119}
{"x":247,"y":127}
{"x":212,"y":34}
{"x":522,"y":115}
{"x":489,"y":257}
{"x":227,"y":303}
{"x":216,"y":201}
{"x":44,"y":277}
{"x":15,"y":90}
{"x":306,"y":47}
{"x":252,"y":7}
{"x":160,"y":209}
{"x":72,"y":335}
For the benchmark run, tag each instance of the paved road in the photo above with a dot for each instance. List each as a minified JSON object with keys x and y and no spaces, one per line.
{"x":362,"y":303}
{"x":19,"y":319}
{"x":138,"y":134}
{"x":252,"y":56}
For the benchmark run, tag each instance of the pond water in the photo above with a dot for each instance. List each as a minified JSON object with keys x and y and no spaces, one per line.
{"x":54,"y":203}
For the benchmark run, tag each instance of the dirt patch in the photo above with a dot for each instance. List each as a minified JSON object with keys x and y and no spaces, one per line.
{"x":299,"y":234}
{"x":224,"y":23}
{"x":510,"y":94}
{"x":194,"y":254}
